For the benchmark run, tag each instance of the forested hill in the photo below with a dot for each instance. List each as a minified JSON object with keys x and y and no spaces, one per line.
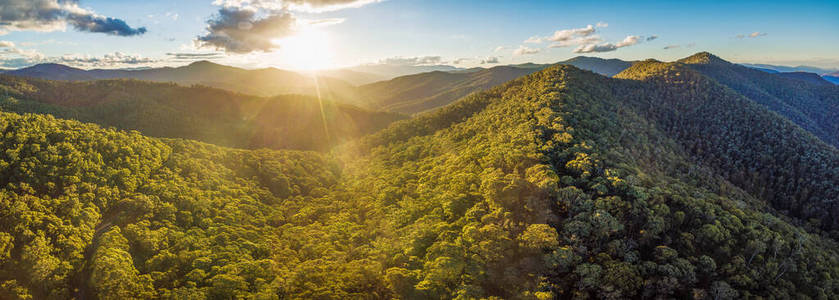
{"x":200,"y":113}
{"x":811,"y":104}
{"x":426,"y":91}
{"x":421,"y":92}
{"x":265,"y":82}
{"x":560,"y":184}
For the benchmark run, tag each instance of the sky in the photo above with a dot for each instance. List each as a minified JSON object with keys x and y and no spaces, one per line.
{"x":323,"y":34}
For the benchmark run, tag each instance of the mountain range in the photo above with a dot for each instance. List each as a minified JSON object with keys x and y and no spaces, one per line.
{"x":690,"y":179}
{"x":427,"y":89}
{"x":200,"y":113}
{"x":261,"y":82}
{"x":830,"y":75}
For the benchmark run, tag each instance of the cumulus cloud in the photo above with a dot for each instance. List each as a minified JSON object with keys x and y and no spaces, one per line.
{"x":522,"y":50}
{"x":629,"y":41}
{"x":246,"y":26}
{"x":195,"y":56}
{"x":460,"y":60}
{"x":569,"y":34}
{"x":586,"y":39}
{"x":499,"y":49}
{"x":240,"y":31}
{"x":412,"y":61}
{"x":296,"y":5}
{"x":112,"y":60}
{"x":8,"y":49}
{"x":489,"y":60}
{"x":52,"y":15}
{"x":577,"y":41}
{"x":608,"y":47}
{"x":107,"y":60}
{"x":533,"y":40}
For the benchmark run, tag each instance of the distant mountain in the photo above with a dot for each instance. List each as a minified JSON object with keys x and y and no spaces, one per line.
{"x":607,"y":67}
{"x":353,"y":77}
{"x":805,"y":76}
{"x":389,"y":71}
{"x":801,"y":98}
{"x":787,"y":69}
{"x":830,"y":75}
{"x":200,"y":113}
{"x":53,"y":72}
{"x":261,"y":82}
{"x":766,"y":70}
{"x":658,"y":183}
{"x":426,"y":91}
{"x":420,"y":92}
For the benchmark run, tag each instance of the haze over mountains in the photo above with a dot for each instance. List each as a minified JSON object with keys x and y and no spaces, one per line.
{"x":200,"y":113}
{"x":411,"y":94}
{"x":690,"y":179}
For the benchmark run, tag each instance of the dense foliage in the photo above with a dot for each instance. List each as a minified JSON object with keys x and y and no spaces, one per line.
{"x":811,"y":104}
{"x":267,"y":82}
{"x":200,"y":113}
{"x":420,"y":92}
{"x":755,"y":149}
{"x":562,"y":184}
{"x":426,"y":91}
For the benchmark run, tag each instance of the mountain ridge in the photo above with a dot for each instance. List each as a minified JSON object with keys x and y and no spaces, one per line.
{"x":559,"y":184}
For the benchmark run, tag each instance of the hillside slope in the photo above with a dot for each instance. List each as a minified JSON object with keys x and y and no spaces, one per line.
{"x":420,"y":92}
{"x":265,"y":82}
{"x":206,"y":114}
{"x":427,"y":91}
{"x":560,"y":184}
{"x":814,"y":107}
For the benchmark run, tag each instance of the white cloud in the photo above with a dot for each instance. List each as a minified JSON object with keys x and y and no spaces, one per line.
{"x":240,"y":31}
{"x":499,"y":49}
{"x":461,"y":60}
{"x":247,"y":26}
{"x":113,"y":60}
{"x":602,"y":24}
{"x":489,"y":60}
{"x":568,"y":34}
{"x":608,"y":47}
{"x":577,"y":41}
{"x":629,"y":41}
{"x":522,"y":50}
{"x":533,"y":40}
{"x":53,"y":15}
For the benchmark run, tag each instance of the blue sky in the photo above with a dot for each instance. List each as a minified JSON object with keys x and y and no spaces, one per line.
{"x":466,"y":32}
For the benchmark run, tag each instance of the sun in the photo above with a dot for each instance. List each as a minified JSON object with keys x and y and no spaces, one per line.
{"x":307,"y":50}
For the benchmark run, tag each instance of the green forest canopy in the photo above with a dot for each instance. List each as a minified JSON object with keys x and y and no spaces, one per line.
{"x":561,"y":184}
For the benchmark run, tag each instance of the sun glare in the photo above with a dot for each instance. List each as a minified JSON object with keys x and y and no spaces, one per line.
{"x":308,"y":50}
